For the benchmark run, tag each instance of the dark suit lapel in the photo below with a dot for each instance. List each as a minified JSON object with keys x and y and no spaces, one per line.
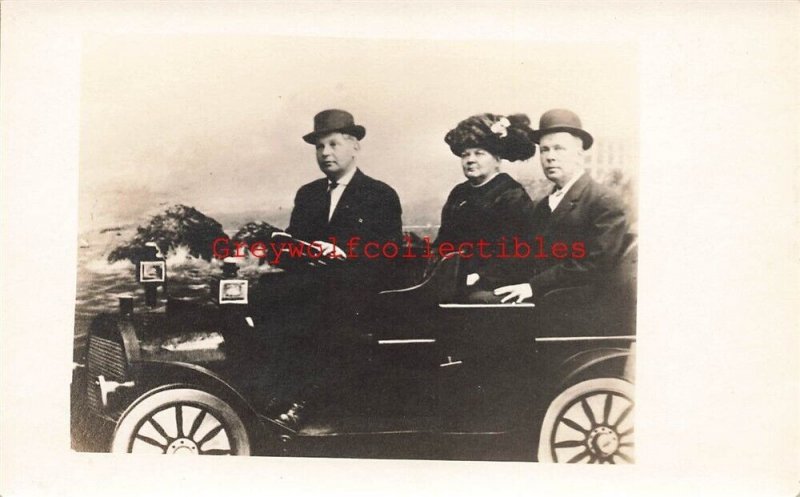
{"x":319,"y":201}
{"x":347,"y":196}
{"x":541,"y":215}
{"x":570,"y":200}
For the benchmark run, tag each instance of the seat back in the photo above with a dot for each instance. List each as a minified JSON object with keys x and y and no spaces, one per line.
{"x":438,"y":285}
{"x":606,"y":308}
{"x":624,"y":274}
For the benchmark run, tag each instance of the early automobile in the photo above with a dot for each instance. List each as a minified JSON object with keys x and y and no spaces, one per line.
{"x":421,"y":376}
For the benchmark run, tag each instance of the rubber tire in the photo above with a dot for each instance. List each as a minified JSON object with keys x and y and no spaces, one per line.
{"x":566,"y":397}
{"x":159,"y":400}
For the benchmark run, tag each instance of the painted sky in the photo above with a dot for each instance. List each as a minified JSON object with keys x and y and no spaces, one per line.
{"x":215,"y":122}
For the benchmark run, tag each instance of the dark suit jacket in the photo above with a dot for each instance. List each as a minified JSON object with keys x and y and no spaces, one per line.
{"x":589,"y":213}
{"x":368,"y":209}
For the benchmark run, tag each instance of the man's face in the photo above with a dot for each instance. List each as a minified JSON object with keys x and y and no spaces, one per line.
{"x":562,"y":156}
{"x":478,"y":165}
{"x":336,"y":154}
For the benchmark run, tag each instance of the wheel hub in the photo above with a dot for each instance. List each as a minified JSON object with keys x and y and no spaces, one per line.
{"x":603,"y":441}
{"x":183,"y":447}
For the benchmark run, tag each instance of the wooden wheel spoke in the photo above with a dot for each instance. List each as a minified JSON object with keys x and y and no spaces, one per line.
{"x":150,"y":441}
{"x":215,"y":452}
{"x":569,"y":443}
{"x":211,"y":434}
{"x":572,"y":424}
{"x":607,"y":408}
{"x":623,"y":457}
{"x":179,"y":419}
{"x":625,"y":433}
{"x":622,"y":416}
{"x":196,"y":424}
{"x":588,"y":411}
{"x":579,"y":457}
{"x":159,"y":429}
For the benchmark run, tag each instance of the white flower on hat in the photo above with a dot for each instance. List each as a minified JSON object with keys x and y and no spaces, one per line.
{"x":500,"y":128}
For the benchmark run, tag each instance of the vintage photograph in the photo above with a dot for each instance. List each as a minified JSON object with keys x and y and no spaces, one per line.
{"x":357,"y":248}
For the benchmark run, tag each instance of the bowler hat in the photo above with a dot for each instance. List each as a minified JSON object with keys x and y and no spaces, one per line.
{"x":333,"y":121}
{"x":557,"y":120}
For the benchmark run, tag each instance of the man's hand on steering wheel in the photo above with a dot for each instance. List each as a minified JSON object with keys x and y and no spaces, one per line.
{"x":327,"y":251}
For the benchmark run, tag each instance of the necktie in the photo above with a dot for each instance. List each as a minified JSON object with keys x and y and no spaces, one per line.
{"x":554,"y":199}
{"x":331,"y":187}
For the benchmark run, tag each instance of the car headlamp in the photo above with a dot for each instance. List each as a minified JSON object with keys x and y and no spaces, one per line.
{"x":233,"y":291}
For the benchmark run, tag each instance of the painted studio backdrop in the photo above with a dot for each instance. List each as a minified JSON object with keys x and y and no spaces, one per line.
{"x":181,"y":132}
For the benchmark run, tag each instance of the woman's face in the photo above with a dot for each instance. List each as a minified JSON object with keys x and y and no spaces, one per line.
{"x":479,"y":165}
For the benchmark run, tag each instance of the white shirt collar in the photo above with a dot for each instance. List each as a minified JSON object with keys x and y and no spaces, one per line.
{"x":565,"y":189}
{"x":555,"y":198}
{"x":344,"y":180}
{"x":336,"y":193}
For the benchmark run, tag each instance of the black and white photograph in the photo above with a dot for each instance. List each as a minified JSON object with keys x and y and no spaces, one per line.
{"x":436,"y":243}
{"x":413,"y":248}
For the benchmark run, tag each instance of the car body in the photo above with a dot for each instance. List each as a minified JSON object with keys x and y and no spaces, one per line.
{"x":419,"y":376}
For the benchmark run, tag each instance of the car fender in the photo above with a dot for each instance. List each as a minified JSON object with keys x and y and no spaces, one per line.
{"x":602,"y":361}
{"x":156,"y":376}
{"x":599,"y":361}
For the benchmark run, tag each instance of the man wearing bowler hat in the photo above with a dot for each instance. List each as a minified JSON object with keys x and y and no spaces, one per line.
{"x":304,"y":304}
{"x":579,"y":212}
{"x":346,"y":203}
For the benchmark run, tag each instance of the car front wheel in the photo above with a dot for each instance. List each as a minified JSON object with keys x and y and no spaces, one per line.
{"x":181,"y":421}
{"x":590,"y":422}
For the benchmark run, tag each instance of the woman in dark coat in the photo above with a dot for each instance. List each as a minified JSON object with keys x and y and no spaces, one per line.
{"x":484,"y":215}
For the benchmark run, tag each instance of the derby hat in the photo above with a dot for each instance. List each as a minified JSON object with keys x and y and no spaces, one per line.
{"x":558,"y":120}
{"x":334,"y":121}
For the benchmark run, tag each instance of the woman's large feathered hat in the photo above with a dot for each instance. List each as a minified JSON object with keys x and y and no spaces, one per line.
{"x":508,"y":137}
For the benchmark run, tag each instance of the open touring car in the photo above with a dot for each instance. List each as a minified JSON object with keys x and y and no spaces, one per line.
{"x":421,"y":376}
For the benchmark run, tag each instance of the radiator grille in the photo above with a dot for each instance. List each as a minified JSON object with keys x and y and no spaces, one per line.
{"x":106,"y":358}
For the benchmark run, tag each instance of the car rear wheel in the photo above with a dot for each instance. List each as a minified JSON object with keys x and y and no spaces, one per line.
{"x":181,"y":421}
{"x":590,"y":422}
